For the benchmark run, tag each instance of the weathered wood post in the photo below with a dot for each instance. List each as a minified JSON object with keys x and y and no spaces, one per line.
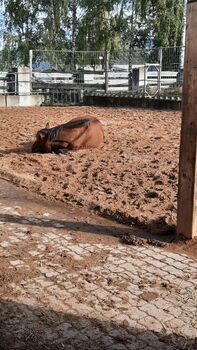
{"x":187,"y":192}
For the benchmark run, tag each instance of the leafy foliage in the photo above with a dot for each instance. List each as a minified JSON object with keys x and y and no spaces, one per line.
{"x":162,"y":19}
{"x":90,"y":25}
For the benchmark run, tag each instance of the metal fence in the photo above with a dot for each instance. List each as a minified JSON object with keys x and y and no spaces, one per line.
{"x":62,"y":77}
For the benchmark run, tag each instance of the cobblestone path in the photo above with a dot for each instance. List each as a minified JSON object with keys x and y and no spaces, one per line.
{"x":63,"y":289}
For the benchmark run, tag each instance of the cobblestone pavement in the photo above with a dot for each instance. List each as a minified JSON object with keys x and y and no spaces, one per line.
{"x":62,"y":290}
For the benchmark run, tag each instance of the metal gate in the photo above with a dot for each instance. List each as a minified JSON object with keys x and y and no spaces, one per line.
{"x":64,"y":76}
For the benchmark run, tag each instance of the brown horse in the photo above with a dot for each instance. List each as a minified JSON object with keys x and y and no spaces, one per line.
{"x":78,"y":133}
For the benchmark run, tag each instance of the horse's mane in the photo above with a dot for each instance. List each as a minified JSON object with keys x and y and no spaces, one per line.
{"x":53,"y":132}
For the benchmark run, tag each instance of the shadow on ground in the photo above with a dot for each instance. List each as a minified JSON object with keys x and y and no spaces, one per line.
{"x":24,"y":327}
{"x":145,"y":234}
{"x":122,"y":232}
{"x":25,"y":148}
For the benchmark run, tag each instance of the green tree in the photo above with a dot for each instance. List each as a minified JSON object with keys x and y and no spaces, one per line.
{"x":90,"y":24}
{"x":36,"y":24}
{"x":101,"y":26}
{"x":162,"y":19}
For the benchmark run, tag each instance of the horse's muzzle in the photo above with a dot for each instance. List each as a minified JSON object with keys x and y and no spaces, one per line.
{"x":37,"y":147}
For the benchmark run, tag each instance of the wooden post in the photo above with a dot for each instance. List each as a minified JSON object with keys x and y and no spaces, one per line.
{"x":187,"y":192}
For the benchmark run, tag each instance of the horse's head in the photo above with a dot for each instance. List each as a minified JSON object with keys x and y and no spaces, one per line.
{"x":42,"y":144}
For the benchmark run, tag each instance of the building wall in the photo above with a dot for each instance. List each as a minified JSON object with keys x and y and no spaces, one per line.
{"x":21,"y":101}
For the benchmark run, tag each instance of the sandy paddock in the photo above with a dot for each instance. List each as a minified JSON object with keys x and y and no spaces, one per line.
{"x":68,"y":281}
{"x":132,"y":176}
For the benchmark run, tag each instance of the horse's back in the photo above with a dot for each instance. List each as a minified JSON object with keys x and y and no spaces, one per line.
{"x":87,"y":134}
{"x":95,"y":134}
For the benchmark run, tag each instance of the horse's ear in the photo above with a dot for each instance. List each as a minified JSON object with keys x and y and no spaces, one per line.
{"x":47,"y":126}
{"x":41,"y":135}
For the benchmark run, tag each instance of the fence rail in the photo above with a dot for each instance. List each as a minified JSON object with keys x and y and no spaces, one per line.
{"x":140,"y":72}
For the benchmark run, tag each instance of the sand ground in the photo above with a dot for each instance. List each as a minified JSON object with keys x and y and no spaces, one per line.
{"x":131,"y":177}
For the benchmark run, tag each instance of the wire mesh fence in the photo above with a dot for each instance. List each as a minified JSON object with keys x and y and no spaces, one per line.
{"x":61,"y":61}
{"x":64,"y":76}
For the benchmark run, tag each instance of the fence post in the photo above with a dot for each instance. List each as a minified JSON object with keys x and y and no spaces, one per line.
{"x":30,"y":68}
{"x":187,"y":189}
{"x":106,"y":70}
{"x":73,"y":60}
{"x":145,"y":79}
{"x":160,"y":70}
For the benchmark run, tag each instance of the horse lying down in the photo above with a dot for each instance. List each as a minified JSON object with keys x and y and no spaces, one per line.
{"x":78,"y":133}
